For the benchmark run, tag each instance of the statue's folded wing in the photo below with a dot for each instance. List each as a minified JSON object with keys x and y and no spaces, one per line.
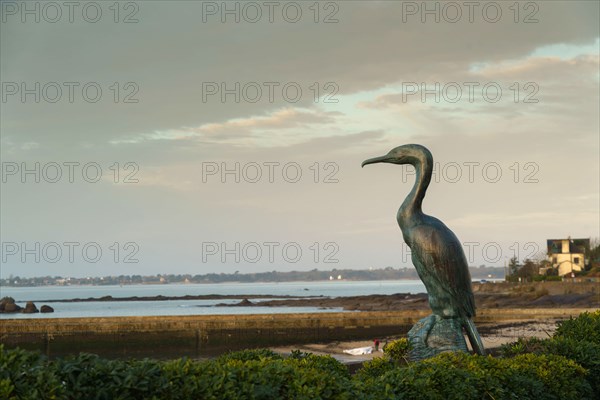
{"x":442,"y":265}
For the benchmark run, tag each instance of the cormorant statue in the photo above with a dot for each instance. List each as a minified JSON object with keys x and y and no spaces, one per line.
{"x":440,"y":262}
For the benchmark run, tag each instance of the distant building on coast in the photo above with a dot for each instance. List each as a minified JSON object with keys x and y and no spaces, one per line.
{"x":567,"y":255}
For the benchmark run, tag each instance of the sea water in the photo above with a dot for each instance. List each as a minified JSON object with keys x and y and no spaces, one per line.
{"x":51,"y":295}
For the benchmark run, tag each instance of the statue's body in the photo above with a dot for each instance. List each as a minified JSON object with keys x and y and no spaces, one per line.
{"x":440,"y":262}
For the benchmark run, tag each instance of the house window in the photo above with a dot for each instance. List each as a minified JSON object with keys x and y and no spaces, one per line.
{"x":576,"y":260}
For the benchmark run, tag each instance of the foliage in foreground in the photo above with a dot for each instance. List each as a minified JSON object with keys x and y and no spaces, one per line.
{"x":586,"y":327}
{"x":577,"y":339}
{"x":395,"y":355}
{"x":249,"y":374}
{"x":462,"y":376}
{"x":566,"y":366}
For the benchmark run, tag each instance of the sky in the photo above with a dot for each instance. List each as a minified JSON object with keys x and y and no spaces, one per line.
{"x":191,"y":137}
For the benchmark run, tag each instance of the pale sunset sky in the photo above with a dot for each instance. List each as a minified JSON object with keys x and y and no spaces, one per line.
{"x":198,"y":137}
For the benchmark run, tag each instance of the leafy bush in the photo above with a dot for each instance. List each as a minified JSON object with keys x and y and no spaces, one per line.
{"x":88,"y":376}
{"x":562,"y":378}
{"x":463,"y":376}
{"x":25,"y":375}
{"x":325,"y":364}
{"x":586,"y":327}
{"x":265,"y":374}
{"x":426,"y":381}
{"x":313,"y":380}
{"x":183,"y":379}
{"x":306,"y":378}
{"x":248,"y":355}
{"x":250,"y":374}
{"x":566,"y":366}
{"x":395,"y":354}
{"x":523,"y":346}
{"x":584,"y":353}
{"x":375,"y":368}
{"x":548,"y":278}
{"x":398,"y":349}
{"x":261,"y":375}
{"x":576,"y":338}
{"x":252,"y":379}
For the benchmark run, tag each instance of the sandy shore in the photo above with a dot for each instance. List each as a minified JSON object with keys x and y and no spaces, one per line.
{"x":493,"y":335}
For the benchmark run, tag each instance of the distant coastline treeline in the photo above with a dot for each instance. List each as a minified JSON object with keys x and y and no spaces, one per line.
{"x":388,"y":273}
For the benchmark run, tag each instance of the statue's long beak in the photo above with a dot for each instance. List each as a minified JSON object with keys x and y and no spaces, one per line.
{"x":385,"y":158}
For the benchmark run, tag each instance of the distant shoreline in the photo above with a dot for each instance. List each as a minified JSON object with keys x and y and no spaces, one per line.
{"x":185,"y":297}
{"x":487,"y":296}
{"x":314,"y":275}
{"x":226,"y":282}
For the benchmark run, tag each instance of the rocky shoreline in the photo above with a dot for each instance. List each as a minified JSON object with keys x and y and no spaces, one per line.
{"x":406,"y":301}
{"x":487,"y":296}
{"x":8,"y":306}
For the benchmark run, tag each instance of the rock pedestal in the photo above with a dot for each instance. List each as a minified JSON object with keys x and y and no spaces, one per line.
{"x":433,"y":335}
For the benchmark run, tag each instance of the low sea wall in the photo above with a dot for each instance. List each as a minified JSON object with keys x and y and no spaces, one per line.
{"x":208,"y":335}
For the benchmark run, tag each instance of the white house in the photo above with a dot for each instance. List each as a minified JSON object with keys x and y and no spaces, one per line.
{"x":567,"y":255}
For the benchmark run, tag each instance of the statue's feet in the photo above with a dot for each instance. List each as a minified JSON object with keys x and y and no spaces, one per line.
{"x":433,"y":335}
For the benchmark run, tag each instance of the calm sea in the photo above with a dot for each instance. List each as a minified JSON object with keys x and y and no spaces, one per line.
{"x":39,"y":295}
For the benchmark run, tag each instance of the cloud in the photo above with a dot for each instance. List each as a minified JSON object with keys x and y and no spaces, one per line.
{"x":550,"y":80}
{"x":256,"y":130}
{"x":170,"y":61}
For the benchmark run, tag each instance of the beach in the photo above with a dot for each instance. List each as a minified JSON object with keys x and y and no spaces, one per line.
{"x":493,"y":336}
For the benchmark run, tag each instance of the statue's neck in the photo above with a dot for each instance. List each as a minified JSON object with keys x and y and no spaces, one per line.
{"x":411,"y":207}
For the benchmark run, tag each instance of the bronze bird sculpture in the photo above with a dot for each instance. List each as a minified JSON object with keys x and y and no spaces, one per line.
{"x":437,"y":253}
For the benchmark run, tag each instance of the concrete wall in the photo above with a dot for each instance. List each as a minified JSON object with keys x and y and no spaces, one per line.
{"x":209,"y":335}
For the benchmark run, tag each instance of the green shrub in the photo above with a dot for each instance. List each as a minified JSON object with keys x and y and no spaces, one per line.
{"x":434,"y":379}
{"x":255,"y":374}
{"x":562,"y":378}
{"x":270,"y":379}
{"x":395,"y":354}
{"x":26,"y":375}
{"x":586,"y":327}
{"x":248,"y":355}
{"x":398,"y":349}
{"x":523,"y":346}
{"x":463,"y":376}
{"x":321,"y":377}
{"x":183,"y":379}
{"x":495,"y":379}
{"x":252,"y":379}
{"x":325,"y":364}
{"x":584,"y":353}
{"x":88,"y":376}
{"x":375,"y":368}
{"x":566,"y":366}
{"x":548,"y":278}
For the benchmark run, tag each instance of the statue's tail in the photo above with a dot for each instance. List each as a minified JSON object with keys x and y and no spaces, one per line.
{"x":473,"y":336}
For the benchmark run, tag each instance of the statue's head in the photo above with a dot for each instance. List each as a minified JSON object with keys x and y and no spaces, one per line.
{"x":406,"y":154}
